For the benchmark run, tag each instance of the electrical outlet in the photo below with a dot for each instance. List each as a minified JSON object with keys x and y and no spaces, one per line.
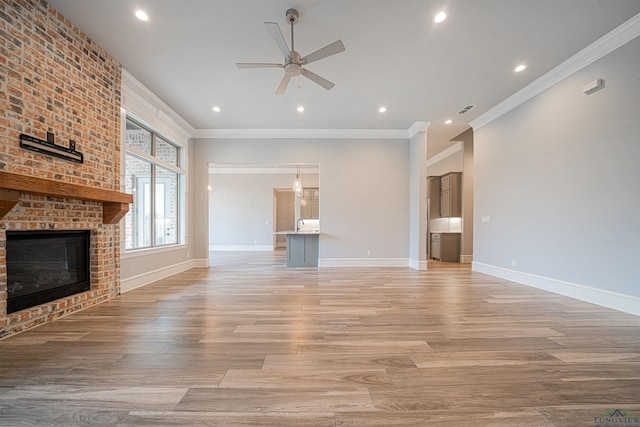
{"x":486,"y":219}
{"x":514,"y":263}
{"x":369,"y":252}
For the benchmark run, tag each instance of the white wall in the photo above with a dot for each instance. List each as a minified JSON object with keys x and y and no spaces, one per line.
{"x":241,"y":207}
{"x":558,"y":176}
{"x":364,"y":186}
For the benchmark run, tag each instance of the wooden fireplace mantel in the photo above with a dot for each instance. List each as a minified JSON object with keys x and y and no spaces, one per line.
{"x":115,"y":204}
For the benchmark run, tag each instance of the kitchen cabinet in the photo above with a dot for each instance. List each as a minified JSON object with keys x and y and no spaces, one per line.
{"x":433,"y":194}
{"x":310,"y":203}
{"x":445,"y":247}
{"x":450,"y":195}
{"x":435,"y":245}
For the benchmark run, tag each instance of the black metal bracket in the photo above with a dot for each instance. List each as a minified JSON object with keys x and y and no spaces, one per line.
{"x":49,"y":147}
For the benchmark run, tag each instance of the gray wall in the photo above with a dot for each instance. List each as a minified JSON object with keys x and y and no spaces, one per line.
{"x":241,"y":206}
{"x":466,"y":239}
{"x":452,"y":163}
{"x":364,"y":189}
{"x":418,"y":200}
{"x":558,"y":176}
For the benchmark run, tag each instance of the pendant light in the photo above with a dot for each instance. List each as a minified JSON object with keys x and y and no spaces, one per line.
{"x":297,"y":184}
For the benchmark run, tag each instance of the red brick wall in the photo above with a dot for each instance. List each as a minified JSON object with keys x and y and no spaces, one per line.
{"x":53,"y":78}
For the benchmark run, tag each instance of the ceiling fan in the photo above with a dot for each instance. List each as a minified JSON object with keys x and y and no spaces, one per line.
{"x":294,"y":65}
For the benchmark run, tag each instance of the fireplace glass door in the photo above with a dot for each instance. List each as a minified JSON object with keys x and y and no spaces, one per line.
{"x":43,"y":266}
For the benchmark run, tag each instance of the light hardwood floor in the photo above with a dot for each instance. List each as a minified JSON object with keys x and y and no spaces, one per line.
{"x":250,"y":342}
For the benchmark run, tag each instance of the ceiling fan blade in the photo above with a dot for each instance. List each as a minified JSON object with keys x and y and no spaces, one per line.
{"x":316,"y":78}
{"x":257,"y":65}
{"x":274,"y":29}
{"x":283,"y":85}
{"x":332,"y":49}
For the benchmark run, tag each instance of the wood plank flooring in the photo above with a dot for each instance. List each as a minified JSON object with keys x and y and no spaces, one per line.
{"x":250,"y":342}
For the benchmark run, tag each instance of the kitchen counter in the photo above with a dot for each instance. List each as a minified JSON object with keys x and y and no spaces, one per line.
{"x":298,"y":232}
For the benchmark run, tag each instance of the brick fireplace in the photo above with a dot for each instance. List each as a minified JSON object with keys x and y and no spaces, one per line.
{"x":54,"y":79}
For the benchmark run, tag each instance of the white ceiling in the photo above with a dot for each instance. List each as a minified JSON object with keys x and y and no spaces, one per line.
{"x":395,"y":56}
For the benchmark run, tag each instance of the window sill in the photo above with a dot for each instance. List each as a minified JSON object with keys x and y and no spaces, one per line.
{"x":135,"y":253}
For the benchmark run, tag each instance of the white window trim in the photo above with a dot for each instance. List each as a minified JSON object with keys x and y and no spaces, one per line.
{"x":141,"y":252}
{"x":145,"y":107}
{"x":149,"y":158}
{"x":157,"y":162}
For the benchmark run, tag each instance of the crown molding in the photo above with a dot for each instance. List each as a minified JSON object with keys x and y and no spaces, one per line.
{"x":302,"y":133}
{"x":417,"y":127}
{"x":619,"y":36}
{"x":241,"y":170}
{"x":444,"y":154}
{"x":147,"y":106}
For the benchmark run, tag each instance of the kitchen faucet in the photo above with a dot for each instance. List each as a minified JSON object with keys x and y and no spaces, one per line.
{"x":298,"y":224}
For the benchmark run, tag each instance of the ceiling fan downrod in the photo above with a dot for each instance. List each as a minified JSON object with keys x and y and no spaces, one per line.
{"x":292,"y":18}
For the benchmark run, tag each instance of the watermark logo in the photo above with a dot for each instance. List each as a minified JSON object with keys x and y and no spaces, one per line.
{"x":617,"y":417}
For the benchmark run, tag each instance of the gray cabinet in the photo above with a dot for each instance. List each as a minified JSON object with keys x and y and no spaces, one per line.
{"x":445,"y":247}
{"x":433,"y":194}
{"x":302,"y":250}
{"x":310,"y":204}
{"x":445,"y":204}
{"x":435,"y":245}
{"x":450,"y":195}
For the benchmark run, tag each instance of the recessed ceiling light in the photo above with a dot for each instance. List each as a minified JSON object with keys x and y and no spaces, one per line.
{"x":441,"y":16}
{"x":448,"y":122}
{"x":300,"y":109}
{"x":216,"y":109}
{"x":382,"y":109}
{"x":519,"y":68}
{"x":142,"y":15}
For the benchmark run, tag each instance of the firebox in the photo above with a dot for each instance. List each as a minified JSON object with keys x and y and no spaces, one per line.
{"x":45,"y":265}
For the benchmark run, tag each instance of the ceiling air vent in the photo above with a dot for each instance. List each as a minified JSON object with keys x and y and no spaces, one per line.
{"x":466,"y":108}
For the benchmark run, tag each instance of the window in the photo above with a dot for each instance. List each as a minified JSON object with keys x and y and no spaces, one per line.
{"x":154,"y":176}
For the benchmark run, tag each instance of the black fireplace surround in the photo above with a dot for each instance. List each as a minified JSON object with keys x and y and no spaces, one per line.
{"x":46,"y":265}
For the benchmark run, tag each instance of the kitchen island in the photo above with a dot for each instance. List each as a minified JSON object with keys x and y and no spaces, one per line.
{"x":302,"y":248}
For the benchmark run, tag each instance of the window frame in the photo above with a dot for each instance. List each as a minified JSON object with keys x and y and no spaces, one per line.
{"x":156,"y":162}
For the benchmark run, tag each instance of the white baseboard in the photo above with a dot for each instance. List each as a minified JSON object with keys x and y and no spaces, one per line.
{"x":200,"y":263}
{"x":240,"y":247}
{"x":621,"y":302}
{"x":143,"y":279}
{"x":363,"y":262}
{"x":418,"y":265}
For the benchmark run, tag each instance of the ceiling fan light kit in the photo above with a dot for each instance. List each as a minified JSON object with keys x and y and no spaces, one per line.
{"x":294,"y":64}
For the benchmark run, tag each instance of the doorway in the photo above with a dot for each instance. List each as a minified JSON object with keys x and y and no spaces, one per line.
{"x":284,"y":215}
